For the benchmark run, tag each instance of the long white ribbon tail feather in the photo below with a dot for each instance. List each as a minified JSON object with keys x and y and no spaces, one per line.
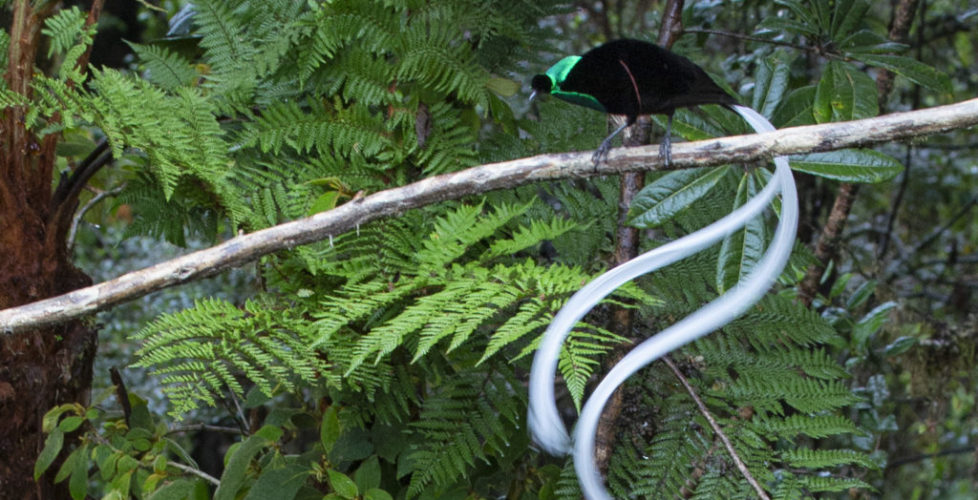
{"x":545,"y":424}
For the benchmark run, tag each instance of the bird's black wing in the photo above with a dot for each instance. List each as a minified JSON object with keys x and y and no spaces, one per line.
{"x":632,"y":77}
{"x":602,"y":74}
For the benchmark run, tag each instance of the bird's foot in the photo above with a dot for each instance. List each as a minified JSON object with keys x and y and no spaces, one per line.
{"x":665,"y":152}
{"x":601,"y":154}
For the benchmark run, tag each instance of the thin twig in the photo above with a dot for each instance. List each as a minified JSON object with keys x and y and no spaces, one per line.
{"x":205,"y":427}
{"x":101,"y":195}
{"x":197,"y":472}
{"x":749,"y":38}
{"x":886,"y":235}
{"x":944,"y":227}
{"x":917,"y":458}
{"x":716,"y":429}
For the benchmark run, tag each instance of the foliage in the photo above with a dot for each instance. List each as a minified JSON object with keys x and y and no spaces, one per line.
{"x":390,"y":362}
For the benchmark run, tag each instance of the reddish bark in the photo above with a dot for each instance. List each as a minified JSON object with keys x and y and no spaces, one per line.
{"x":42,"y":368}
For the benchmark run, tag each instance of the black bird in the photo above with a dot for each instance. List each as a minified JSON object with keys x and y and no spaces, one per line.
{"x":631,"y":78}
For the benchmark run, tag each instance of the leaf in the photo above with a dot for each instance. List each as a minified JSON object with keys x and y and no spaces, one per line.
{"x":899,"y":346}
{"x":849,"y":165}
{"x":51,"y":417}
{"x":861,"y":295}
{"x":871,"y":323}
{"x":280,"y":483}
{"x":368,"y":474}
{"x":69,"y":463}
{"x":844,"y":93}
{"x":233,"y":477}
{"x":771,"y":81}
{"x":667,"y":196}
{"x":377,"y":494}
{"x":911,"y":69}
{"x":69,"y":424}
{"x":78,"y":484}
{"x":741,"y":250}
{"x":846,"y":16}
{"x":502,"y":86}
{"x":179,"y":489}
{"x":342,"y":484}
{"x":329,"y":430}
{"x":52,"y":446}
{"x":796,"y":109}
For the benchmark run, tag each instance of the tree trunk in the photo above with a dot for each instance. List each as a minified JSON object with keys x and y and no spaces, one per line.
{"x":43,"y":368}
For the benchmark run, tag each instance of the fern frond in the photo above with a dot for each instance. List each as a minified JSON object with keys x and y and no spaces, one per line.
{"x":164,"y":68}
{"x":65,"y":29}
{"x":202,"y":351}
{"x":345,"y":131}
{"x":468,"y":418}
{"x":434,"y":56}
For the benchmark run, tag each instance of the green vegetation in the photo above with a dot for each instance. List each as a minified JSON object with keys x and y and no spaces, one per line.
{"x":390,"y":362}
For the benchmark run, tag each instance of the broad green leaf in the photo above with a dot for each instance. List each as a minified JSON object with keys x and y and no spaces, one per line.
{"x":176,"y":490}
{"x":844,"y":93}
{"x":151,"y":481}
{"x":911,"y":69}
{"x":869,"y":42}
{"x":280,"y":483}
{"x":69,"y":424}
{"x":329,"y":430}
{"x":78,"y":484}
{"x":51,"y":417}
{"x":377,"y":494}
{"x":796,"y":109}
{"x":899,"y":346}
{"x":861,"y":295}
{"x":502,"y":86}
{"x":771,"y":81}
{"x":325,"y":201}
{"x":236,"y":469}
{"x":741,"y":250}
{"x":271,"y":433}
{"x":667,"y":196}
{"x":367,"y":475}
{"x":847,"y":15}
{"x":52,"y":446}
{"x":121,"y":484}
{"x":69,"y":463}
{"x":106,"y":459}
{"x":849,"y":165}
{"x":342,"y":484}
{"x":871,"y":323}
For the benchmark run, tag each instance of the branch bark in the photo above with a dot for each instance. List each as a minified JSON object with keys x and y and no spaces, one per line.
{"x":240,"y":250}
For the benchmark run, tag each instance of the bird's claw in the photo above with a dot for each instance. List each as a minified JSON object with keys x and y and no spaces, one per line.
{"x":601,"y":154}
{"x":665,"y":152}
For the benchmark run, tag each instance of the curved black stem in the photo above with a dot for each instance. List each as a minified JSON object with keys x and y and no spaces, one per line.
{"x":69,"y":188}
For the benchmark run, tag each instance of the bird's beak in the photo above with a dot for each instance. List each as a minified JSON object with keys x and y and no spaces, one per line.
{"x":533,"y":96}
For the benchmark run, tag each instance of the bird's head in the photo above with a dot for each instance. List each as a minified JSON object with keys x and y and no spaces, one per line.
{"x":541,"y":84}
{"x":550,"y":81}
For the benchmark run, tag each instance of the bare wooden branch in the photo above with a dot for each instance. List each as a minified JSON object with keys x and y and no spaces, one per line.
{"x":242,"y":249}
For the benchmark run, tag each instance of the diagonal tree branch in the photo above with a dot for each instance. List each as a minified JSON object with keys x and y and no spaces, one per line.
{"x":717,"y":430}
{"x":242,"y":249}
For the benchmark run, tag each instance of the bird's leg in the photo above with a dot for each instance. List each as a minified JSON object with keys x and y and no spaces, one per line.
{"x":602,"y":153}
{"x":665,"y":149}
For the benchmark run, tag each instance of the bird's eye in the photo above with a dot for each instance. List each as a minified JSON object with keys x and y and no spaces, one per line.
{"x":541,"y":84}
